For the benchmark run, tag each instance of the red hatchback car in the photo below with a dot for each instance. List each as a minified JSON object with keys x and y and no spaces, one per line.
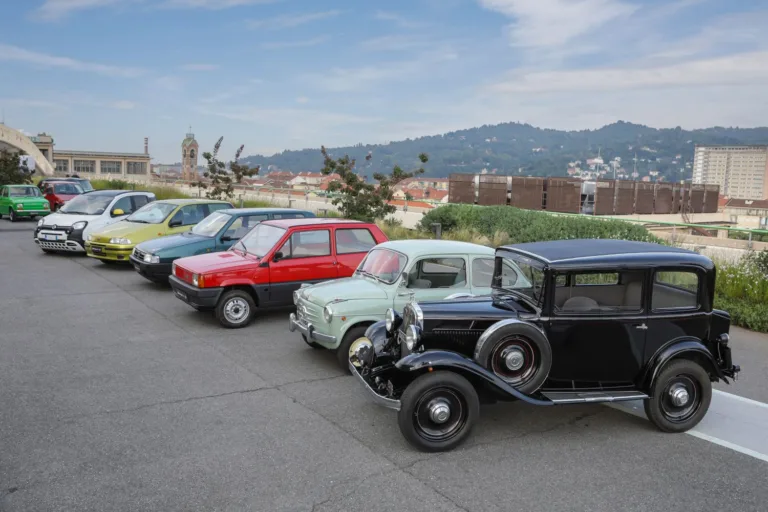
{"x":59,"y":192}
{"x":267,"y":265}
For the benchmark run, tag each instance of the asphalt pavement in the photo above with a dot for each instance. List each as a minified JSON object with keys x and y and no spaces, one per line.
{"x":115,"y":395}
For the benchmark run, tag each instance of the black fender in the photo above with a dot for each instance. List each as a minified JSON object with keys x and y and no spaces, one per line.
{"x":377,"y":333}
{"x":455,"y":362}
{"x":679,"y":348}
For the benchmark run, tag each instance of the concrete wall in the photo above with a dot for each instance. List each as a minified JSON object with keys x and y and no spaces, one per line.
{"x":14,"y":139}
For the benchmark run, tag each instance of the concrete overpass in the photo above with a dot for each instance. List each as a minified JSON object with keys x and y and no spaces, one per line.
{"x":14,"y":140}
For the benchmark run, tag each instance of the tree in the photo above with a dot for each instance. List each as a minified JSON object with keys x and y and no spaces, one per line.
{"x":222,"y":181}
{"x":358,"y":199}
{"x":12,"y":170}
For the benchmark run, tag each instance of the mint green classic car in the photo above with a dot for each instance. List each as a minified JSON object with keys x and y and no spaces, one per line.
{"x":334,"y":314}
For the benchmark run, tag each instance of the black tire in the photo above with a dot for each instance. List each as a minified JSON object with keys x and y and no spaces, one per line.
{"x":531,"y":348}
{"x":235,"y":309}
{"x":311,"y":343}
{"x":12,"y":215}
{"x":416,"y":423}
{"x":661,"y":408}
{"x":342,"y":353}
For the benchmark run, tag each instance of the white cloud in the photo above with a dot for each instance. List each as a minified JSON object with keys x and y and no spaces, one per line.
{"x":554,"y":23}
{"x":399,"y":20}
{"x":16,"y":54}
{"x":301,"y":43}
{"x":199,"y":67}
{"x":292,"y":20}
{"x":302,"y":99}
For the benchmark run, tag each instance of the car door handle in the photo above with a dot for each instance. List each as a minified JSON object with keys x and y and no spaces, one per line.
{"x":642,"y":327}
{"x":405,"y":294}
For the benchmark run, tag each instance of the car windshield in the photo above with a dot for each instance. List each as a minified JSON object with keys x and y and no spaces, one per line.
{"x":24,"y":192}
{"x":211,"y":225}
{"x":87,"y":204}
{"x":153,"y":213}
{"x":520,"y":276}
{"x":383,"y":264}
{"x":69,"y":189}
{"x":260,"y":239}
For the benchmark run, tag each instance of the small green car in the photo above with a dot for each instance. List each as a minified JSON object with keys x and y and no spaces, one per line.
{"x":153,"y":259}
{"x":18,"y":201}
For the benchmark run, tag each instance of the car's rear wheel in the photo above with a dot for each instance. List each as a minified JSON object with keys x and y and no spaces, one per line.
{"x":680,"y":397}
{"x":235,"y":309}
{"x":521,"y":359}
{"x":438,"y":411}
{"x":343,"y":352}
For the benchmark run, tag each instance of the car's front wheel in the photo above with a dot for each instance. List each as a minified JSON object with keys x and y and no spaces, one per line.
{"x":438,"y":411}
{"x":343,"y":352}
{"x":12,"y":215}
{"x":235,"y":309}
{"x":681,"y":396}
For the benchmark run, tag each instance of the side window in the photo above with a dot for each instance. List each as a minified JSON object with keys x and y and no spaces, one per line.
{"x":139,"y":201}
{"x":191,"y":214}
{"x":124,"y":203}
{"x":4,"y":192}
{"x":349,"y":241}
{"x":243,"y":225}
{"x":607,"y":292}
{"x":307,"y":244}
{"x":675,"y":290}
{"x":482,"y":272}
{"x":438,"y":273}
{"x":213,"y":207}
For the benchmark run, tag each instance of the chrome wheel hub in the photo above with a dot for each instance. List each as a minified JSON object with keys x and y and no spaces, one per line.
{"x":439,"y":411}
{"x":679,"y":395}
{"x":514,"y":358}
{"x":236,"y":310}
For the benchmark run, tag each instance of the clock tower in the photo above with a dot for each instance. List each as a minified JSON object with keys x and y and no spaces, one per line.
{"x":189,"y":154}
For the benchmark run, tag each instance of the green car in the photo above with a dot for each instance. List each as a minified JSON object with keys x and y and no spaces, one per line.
{"x":115,"y":243}
{"x":153,"y":259}
{"x":18,"y":201}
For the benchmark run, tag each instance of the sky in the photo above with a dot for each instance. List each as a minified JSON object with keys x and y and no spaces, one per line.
{"x":290,"y":74}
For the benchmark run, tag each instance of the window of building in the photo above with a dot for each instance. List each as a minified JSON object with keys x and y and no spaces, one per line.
{"x":87,"y":166}
{"x":111,"y":167}
{"x":349,"y":241}
{"x":136,"y":167}
{"x":675,"y":290}
{"x":61,"y":165}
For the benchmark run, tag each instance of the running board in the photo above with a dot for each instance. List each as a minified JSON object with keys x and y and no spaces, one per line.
{"x":580,"y":397}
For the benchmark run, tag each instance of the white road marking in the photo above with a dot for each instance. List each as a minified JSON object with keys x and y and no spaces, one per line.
{"x":732,"y":446}
{"x":740,"y":398}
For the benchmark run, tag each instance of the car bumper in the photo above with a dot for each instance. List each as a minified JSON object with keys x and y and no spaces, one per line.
{"x":30,"y":213}
{"x":59,"y":240}
{"x":152,"y":270}
{"x":108,"y":251}
{"x":194,"y":296}
{"x":308,"y":330}
{"x":389,"y":403}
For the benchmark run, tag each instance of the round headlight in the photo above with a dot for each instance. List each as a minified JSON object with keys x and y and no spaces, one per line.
{"x":79,"y":225}
{"x":411,"y":337}
{"x":327,"y":314}
{"x":389,"y":318}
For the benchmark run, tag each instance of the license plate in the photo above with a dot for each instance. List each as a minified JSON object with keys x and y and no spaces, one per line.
{"x":97,"y":250}
{"x":181,"y":295}
{"x":50,"y":237}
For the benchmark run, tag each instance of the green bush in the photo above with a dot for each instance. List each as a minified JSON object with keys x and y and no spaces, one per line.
{"x":530,"y":226}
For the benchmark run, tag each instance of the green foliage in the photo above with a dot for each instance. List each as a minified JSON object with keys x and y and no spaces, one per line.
{"x":221,"y":181}
{"x":529,"y":226}
{"x":358,"y":199}
{"x":12,"y":171}
{"x":111,"y":185}
{"x":759,"y":260}
{"x":744,"y":313}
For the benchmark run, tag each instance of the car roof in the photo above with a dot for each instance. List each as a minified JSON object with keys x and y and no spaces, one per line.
{"x":115,"y":193}
{"x":586,"y":253}
{"x":254,"y":211}
{"x":185,"y":201}
{"x":418,"y":248}
{"x":320,"y":221}
{"x":17,"y":185}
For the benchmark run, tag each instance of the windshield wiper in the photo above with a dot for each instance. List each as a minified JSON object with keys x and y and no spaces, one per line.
{"x":366,"y":273}
{"x":243,"y":250}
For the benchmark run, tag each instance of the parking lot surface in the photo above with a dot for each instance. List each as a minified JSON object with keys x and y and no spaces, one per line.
{"x":115,"y":395}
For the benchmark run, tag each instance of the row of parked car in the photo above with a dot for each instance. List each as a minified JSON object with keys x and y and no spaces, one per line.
{"x":433,"y":328}
{"x":20,"y":201}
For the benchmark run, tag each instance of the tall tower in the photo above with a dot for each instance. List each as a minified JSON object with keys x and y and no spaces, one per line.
{"x":189,"y":154}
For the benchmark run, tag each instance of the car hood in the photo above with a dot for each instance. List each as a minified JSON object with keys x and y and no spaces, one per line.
{"x":65,"y":220}
{"x":349,"y":288}
{"x":477,"y":308}
{"x":187,"y":240}
{"x":216,"y":262}
{"x":134,"y":231}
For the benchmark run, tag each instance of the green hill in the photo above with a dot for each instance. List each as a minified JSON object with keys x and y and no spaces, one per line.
{"x":522,"y":149}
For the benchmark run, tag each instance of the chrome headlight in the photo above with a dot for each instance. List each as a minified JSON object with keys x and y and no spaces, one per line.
{"x":20,"y":206}
{"x":389,"y":318}
{"x":120,"y":241}
{"x":77,"y":226}
{"x":411,"y":336}
{"x":327,"y":314}
{"x":149,"y":258}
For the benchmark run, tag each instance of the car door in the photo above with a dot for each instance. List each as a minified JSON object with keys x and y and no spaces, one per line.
{"x":237,"y":229}
{"x":432,"y":278}
{"x":185,"y":218}
{"x":306,"y":258}
{"x":351,"y":246}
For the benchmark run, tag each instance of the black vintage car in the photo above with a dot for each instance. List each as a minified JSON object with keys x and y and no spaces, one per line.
{"x":570,"y":321}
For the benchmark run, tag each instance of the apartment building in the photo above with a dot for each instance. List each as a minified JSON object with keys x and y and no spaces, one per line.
{"x":741,"y":171}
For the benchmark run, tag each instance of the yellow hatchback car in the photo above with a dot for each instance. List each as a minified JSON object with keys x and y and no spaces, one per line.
{"x":115,"y":242}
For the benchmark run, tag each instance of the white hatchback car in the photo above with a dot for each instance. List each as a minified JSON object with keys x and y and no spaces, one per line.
{"x":66,"y":229}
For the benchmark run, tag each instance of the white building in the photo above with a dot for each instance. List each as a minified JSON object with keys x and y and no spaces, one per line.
{"x":741,"y":171}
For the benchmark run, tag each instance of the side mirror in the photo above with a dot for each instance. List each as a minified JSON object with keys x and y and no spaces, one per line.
{"x":175,"y":223}
{"x":117,"y":212}
{"x":277,"y":256}
{"x":227,"y":238}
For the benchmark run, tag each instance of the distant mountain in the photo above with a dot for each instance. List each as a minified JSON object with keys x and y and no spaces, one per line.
{"x":522,"y":149}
